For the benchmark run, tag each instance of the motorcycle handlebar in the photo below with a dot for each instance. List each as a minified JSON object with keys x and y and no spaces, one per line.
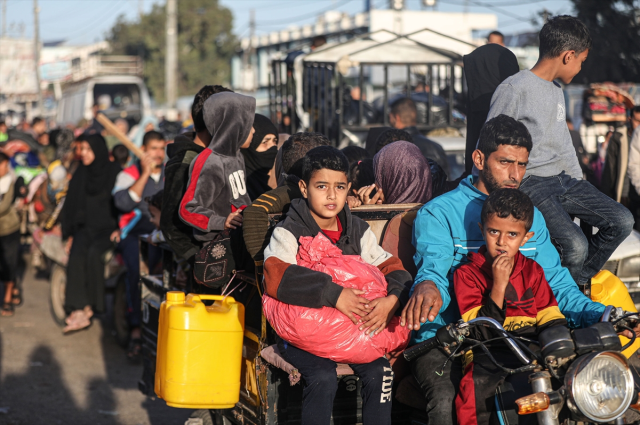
{"x":417,"y":350}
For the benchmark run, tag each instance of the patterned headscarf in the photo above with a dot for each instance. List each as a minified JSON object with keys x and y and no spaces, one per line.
{"x":403,"y":174}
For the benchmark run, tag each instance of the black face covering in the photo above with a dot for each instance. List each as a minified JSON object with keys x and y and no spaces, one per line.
{"x":258,"y":164}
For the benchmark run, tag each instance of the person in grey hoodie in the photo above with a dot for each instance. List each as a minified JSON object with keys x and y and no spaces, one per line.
{"x":217,"y":189}
{"x":553,"y":179}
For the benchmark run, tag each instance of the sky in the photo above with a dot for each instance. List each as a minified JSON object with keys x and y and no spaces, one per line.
{"x":87,"y":21}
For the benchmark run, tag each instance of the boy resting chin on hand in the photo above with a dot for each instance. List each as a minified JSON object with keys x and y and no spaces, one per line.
{"x":501,"y":283}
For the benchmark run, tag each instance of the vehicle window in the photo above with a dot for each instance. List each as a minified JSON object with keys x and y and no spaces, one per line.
{"x":117,"y":96}
{"x":456,"y":164}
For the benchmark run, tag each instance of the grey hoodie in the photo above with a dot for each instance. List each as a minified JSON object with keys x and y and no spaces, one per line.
{"x":217,"y":174}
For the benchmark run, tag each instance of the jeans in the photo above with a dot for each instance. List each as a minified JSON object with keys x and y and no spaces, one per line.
{"x":321,"y":384}
{"x":439,"y":384}
{"x":560,"y":197}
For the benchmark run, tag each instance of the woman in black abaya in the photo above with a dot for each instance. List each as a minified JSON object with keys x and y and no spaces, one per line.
{"x":90,"y":227}
{"x":260,"y":156}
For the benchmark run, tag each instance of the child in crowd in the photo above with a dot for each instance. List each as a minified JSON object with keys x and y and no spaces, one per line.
{"x":155,"y":215}
{"x":501,"y":283}
{"x":255,"y":225}
{"x":184,"y":149}
{"x":361,"y":177}
{"x":120,"y":155}
{"x":324,"y":187}
{"x":355,"y":154}
{"x":392,"y":135}
{"x":217,"y":175}
{"x":554,"y":178}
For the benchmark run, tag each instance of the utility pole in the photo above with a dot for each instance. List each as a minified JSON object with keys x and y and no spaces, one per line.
{"x":4,"y":18}
{"x":140,"y":8}
{"x":36,"y":41}
{"x":171,"y":57}
{"x":252,"y":33}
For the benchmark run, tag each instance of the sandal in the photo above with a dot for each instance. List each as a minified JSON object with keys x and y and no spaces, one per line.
{"x":76,"y":321}
{"x":134,"y":351}
{"x":73,"y":317}
{"x":7,"y":310}
{"x":16,"y":296}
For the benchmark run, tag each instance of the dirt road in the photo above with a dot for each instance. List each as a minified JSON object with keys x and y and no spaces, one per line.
{"x":85,"y":378}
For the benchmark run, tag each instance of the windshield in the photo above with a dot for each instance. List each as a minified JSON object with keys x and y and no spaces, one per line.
{"x":117,"y":96}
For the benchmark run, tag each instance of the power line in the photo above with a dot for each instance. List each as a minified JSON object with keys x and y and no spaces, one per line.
{"x":89,"y":28}
{"x":304,"y":16}
{"x":490,"y":6}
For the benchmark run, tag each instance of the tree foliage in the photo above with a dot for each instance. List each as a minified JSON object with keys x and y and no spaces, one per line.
{"x":205,"y":44}
{"x":615,"y":30}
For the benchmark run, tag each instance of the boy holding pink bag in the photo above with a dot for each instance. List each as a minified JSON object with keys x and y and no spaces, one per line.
{"x":323,"y":212}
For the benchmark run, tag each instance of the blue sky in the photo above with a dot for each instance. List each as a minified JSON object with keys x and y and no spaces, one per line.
{"x":87,"y":21}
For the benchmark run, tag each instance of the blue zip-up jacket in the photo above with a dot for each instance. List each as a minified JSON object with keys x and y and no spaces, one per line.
{"x":446,"y":230}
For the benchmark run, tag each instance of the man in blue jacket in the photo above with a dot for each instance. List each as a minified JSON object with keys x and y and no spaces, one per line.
{"x":446,"y":230}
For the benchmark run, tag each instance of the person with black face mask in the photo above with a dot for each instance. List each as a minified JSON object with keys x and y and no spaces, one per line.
{"x":260,"y":156}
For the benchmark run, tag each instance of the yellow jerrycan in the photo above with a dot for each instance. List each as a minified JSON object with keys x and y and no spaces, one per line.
{"x":199,"y":354}
{"x":607,"y":289}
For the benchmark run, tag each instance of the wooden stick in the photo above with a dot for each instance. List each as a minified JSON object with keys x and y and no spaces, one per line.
{"x":111,"y":128}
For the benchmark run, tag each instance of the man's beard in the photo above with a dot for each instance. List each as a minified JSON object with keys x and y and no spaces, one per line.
{"x":490,"y":182}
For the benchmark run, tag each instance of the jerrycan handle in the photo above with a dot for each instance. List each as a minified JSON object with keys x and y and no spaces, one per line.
{"x":224,"y":299}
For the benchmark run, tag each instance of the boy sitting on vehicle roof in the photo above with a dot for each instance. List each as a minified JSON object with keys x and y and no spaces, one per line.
{"x":324,"y":186}
{"x":553,"y":179}
{"x":500,"y":283}
{"x":255,"y":225}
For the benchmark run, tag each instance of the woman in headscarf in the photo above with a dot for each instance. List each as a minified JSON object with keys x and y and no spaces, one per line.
{"x":402,"y":176}
{"x":90,"y":226}
{"x":259,"y":157}
{"x":146,"y":124}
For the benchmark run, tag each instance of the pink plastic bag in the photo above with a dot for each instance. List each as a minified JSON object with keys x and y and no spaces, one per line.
{"x":326,"y":332}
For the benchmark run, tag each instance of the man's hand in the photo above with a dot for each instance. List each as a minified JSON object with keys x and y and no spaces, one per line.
{"x":67,"y":246}
{"x":426,"y":300}
{"x":382,"y":310}
{"x":365,"y":192}
{"x":115,"y":236}
{"x":629,"y":335}
{"x":147,"y":164}
{"x":234,"y":220}
{"x":350,"y":303}
{"x":353,"y":201}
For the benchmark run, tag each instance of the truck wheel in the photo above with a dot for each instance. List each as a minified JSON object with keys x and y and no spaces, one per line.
{"x":209,"y":417}
{"x":120,"y":324}
{"x":58,"y":283}
{"x":204,"y":417}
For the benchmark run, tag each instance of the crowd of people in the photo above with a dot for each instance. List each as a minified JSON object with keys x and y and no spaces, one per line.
{"x":496,"y":242}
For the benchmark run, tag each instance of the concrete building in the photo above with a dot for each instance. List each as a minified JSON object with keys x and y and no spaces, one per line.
{"x":250,"y":66}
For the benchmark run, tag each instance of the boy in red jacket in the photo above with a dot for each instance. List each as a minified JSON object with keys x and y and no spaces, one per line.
{"x":501,"y":283}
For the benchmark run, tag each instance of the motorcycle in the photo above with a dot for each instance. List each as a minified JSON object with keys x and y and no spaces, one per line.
{"x":579,"y":375}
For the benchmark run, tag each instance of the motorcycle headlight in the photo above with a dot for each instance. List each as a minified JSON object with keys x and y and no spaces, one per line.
{"x":600,"y":386}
